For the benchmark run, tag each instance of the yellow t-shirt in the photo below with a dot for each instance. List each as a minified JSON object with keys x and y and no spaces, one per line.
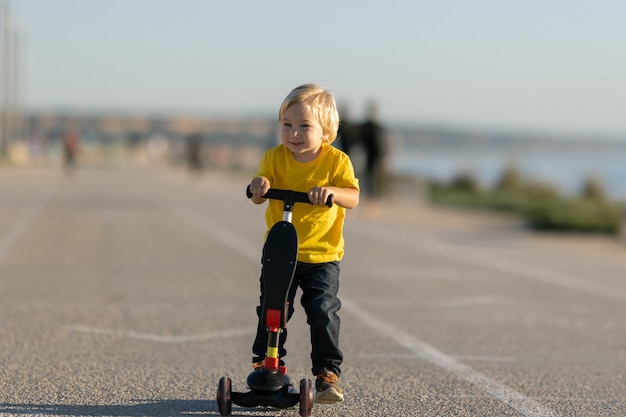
{"x":319,"y":228}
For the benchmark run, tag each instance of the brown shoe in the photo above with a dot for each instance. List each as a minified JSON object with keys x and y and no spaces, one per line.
{"x":327,"y":387}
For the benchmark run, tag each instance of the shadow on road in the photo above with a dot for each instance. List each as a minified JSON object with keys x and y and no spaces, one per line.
{"x":142,"y":408}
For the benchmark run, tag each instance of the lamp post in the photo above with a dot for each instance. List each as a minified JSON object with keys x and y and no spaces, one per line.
{"x":10,"y":91}
{"x":4,"y":77}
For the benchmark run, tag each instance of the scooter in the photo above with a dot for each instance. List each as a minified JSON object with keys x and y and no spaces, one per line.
{"x":270,"y":386}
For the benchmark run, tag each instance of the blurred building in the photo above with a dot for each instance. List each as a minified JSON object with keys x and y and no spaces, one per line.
{"x":225,"y":142}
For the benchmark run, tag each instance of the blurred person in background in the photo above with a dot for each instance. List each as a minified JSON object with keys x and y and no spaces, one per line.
{"x":372,"y":138}
{"x":194,"y":151}
{"x":347,"y":134}
{"x":71,"y":147}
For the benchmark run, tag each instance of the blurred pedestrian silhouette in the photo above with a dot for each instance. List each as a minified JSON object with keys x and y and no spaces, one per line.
{"x":194,"y":151}
{"x":71,"y":146}
{"x":347,"y":134}
{"x":372,"y":138}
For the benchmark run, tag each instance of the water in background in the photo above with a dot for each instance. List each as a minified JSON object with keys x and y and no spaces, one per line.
{"x":565,"y":168}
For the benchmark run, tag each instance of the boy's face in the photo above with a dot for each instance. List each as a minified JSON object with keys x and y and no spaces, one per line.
{"x":301,"y":132}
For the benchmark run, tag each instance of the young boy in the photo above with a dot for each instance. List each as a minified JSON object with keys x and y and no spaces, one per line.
{"x":305,"y":161}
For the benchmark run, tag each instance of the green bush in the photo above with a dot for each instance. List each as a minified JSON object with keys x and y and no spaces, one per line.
{"x":580,"y":215}
{"x":510,"y":179}
{"x":460,"y":198}
{"x":524,"y":198}
{"x":539,"y":203}
{"x":466,"y":182}
{"x":593,"y":189}
{"x":463,"y":190}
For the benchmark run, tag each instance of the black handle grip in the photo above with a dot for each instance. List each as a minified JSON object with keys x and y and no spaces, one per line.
{"x":289,"y":196}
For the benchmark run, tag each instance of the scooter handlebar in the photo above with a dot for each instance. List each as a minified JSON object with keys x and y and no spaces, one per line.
{"x":289,"y":195}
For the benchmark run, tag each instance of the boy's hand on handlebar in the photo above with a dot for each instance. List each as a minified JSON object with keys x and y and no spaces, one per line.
{"x":258,"y":187}
{"x":319,"y":195}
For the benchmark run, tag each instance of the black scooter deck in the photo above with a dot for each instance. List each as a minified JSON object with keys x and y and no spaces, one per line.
{"x":285,"y":398}
{"x":279,"y":265}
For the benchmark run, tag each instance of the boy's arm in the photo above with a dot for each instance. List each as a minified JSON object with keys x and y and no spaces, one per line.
{"x":343,"y":197}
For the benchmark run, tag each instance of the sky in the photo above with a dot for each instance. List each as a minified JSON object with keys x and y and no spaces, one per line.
{"x":547,"y":65}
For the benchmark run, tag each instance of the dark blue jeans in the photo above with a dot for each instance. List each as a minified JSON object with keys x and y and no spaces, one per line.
{"x":319,"y":284}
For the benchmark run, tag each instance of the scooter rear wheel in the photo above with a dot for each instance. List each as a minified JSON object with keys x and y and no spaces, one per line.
{"x":306,"y":397}
{"x":224,"y":401}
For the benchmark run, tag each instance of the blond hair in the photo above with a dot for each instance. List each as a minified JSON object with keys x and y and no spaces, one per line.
{"x":321,"y":102}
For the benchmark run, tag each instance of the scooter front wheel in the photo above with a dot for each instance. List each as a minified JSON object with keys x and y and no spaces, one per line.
{"x":306,"y":397}
{"x":224,"y":401}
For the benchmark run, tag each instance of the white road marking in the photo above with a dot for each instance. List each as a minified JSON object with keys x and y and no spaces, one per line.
{"x":512,"y":398}
{"x":551,"y":398}
{"x":219,"y":233}
{"x":477,"y":301}
{"x":421,"y":273}
{"x":8,"y":239}
{"x":222,"y":334}
{"x":227,"y":239}
{"x":478,"y":258}
{"x":413,"y":356}
{"x":483,"y":358}
{"x":516,"y":400}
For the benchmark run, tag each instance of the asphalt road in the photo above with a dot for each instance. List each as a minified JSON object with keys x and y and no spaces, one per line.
{"x":131,"y":291}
